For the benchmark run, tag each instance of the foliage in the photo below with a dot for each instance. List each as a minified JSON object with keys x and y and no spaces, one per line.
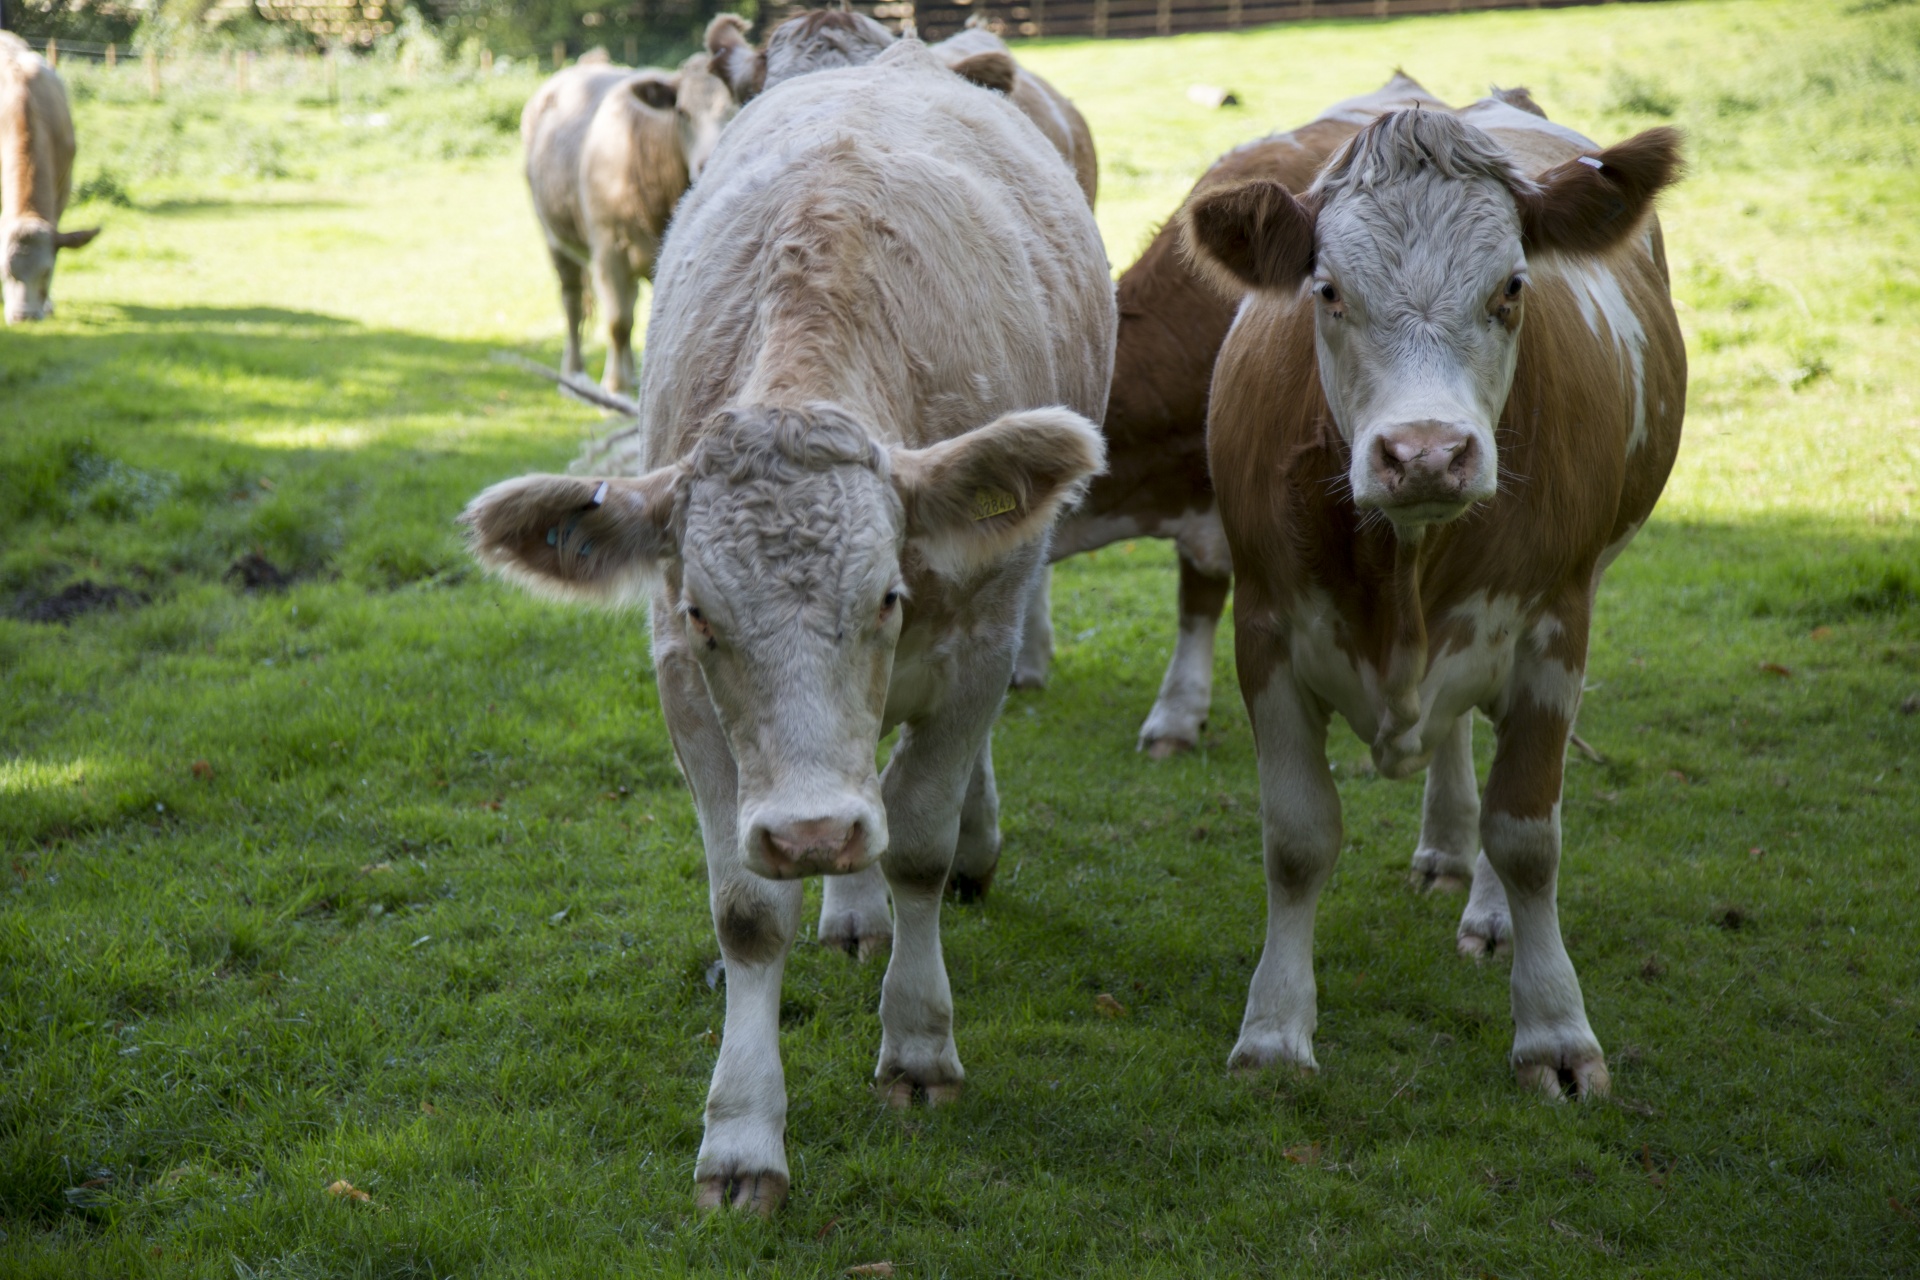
{"x":371,"y":871}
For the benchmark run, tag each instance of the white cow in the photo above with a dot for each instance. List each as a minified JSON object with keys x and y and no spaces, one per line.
{"x":883,"y":327}
{"x":36,"y":176}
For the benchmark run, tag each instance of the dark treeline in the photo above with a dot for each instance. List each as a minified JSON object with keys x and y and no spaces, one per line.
{"x":645,"y":30}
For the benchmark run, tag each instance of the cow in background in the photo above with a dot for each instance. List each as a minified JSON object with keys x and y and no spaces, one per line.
{"x":1451,"y":396}
{"x":609,"y":153}
{"x":36,"y":178}
{"x":883,"y":330}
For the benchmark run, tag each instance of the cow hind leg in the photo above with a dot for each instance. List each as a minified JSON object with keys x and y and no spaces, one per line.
{"x":1186,"y":693}
{"x":1035,"y":657}
{"x":1300,"y":823}
{"x":1554,"y":1049}
{"x":853,"y":914}
{"x":1449,"y":814}
{"x":977,"y":856}
{"x":616,"y":288}
{"x":573,"y":303}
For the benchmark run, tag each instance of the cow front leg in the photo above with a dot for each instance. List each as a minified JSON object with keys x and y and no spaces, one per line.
{"x":1186,"y":692}
{"x":1449,"y":814}
{"x":1035,"y":658}
{"x":1554,"y":1049}
{"x":743,"y":1152}
{"x":925,"y":785}
{"x":853,"y":913}
{"x":977,"y":854}
{"x":1300,"y":824}
{"x":616,"y":287}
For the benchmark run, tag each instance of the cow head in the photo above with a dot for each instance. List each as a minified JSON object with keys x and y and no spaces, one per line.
{"x":702,"y":105}
{"x":27,"y":250}
{"x":813,"y":41}
{"x":1414,"y":242}
{"x":782,"y":541}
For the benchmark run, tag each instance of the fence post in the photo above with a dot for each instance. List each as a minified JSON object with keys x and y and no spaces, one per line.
{"x":633,"y":49}
{"x":53,"y":52}
{"x":486,"y":62}
{"x":110,"y":53}
{"x":153,"y":75}
{"x":1099,"y":19}
{"x":1163,"y":20}
{"x":1233,"y":14}
{"x":559,"y":54}
{"x":246,"y":72}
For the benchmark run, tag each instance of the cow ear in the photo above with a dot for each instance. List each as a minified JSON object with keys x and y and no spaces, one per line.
{"x":1592,"y":203}
{"x":574,"y":537}
{"x":74,"y":239}
{"x":735,"y":64}
{"x":658,"y":91}
{"x":990,"y":70}
{"x":973,"y":499}
{"x":1250,"y":235}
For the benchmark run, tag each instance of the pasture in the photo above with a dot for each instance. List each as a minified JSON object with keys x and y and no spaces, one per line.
{"x":327,"y":859}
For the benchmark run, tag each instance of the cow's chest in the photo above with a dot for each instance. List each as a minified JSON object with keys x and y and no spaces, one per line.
{"x":1469,"y":663}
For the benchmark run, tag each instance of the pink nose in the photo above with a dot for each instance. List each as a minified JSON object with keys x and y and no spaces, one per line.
{"x":1419,"y":462}
{"x":815,"y":847}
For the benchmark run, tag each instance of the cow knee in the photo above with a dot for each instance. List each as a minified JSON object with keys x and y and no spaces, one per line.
{"x":750,"y":927}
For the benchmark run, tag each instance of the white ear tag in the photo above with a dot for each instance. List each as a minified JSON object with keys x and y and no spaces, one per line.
{"x":599,"y":495}
{"x":1592,"y":162}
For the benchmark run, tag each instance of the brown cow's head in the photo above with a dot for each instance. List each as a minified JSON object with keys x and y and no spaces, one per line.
{"x":782,"y":534}
{"x":27,"y":250}
{"x":1414,"y":241}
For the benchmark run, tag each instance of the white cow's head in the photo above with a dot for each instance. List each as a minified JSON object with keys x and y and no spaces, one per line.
{"x":27,"y":249}
{"x":699,"y":102}
{"x":1414,"y":241}
{"x":782,"y":539}
{"x":812,"y":41}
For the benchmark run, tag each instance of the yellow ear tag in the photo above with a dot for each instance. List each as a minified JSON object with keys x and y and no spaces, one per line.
{"x":988,"y":503}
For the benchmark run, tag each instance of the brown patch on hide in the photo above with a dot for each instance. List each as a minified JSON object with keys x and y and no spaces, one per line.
{"x":1251,"y":235}
{"x":747,"y":925}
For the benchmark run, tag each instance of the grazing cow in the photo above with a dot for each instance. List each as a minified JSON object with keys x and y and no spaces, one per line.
{"x":36,"y":177}
{"x":1156,"y":484}
{"x":882,"y":331}
{"x":1451,"y":396}
{"x":609,"y":154}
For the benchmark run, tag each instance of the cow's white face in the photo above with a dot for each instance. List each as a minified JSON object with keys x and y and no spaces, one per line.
{"x":784,"y":532}
{"x":1418,"y":284}
{"x":28,"y":258}
{"x":1414,"y":242}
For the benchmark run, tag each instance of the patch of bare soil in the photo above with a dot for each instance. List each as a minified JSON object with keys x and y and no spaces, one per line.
{"x":254,"y":572}
{"x":83,"y":597}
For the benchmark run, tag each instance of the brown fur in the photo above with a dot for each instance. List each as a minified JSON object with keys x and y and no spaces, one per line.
{"x":1581,"y":209}
{"x":992,"y":70}
{"x":36,"y":146}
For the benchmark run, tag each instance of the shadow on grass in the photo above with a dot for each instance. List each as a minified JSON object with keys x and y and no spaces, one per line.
{"x":207,"y":208}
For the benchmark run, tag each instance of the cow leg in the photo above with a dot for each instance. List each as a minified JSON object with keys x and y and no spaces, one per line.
{"x":1450,"y":814}
{"x":1554,"y":1049}
{"x":1300,"y":821}
{"x":743,"y":1154}
{"x":977,"y":856}
{"x":1186,"y":694}
{"x":615,"y":287}
{"x":1036,"y":634}
{"x":853,"y":913}
{"x":573,"y":302}
{"x":926,"y":785}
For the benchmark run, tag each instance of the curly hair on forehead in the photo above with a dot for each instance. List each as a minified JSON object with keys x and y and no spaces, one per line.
{"x":783,"y":444}
{"x":1403,"y":145}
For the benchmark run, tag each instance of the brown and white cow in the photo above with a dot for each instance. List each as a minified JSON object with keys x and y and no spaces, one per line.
{"x":882,"y":330}
{"x":609,"y":153}
{"x":1156,"y":483}
{"x":36,"y":177}
{"x":1451,"y":396}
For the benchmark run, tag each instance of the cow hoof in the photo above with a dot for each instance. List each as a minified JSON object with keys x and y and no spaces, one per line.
{"x":1483,"y":933}
{"x":1437,"y":872}
{"x":1578,"y":1082}
{"x":900,"y":1093}
{"x":860,"y":939}
{"x":761,"y":1193}
{"x":969,"y":889}
{"x":1027,"y":678}
{"x":1165,"y":748}
{"x":1256,"y":1054}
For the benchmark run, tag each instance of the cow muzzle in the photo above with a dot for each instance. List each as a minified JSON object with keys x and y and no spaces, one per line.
{"x":1424,"y":472}
{"x":834,"y":845}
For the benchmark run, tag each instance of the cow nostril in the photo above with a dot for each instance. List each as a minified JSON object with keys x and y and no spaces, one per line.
{"x":1465,"y":460}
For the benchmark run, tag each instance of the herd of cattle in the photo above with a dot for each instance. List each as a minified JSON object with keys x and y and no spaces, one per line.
{"x":1408,"y":376}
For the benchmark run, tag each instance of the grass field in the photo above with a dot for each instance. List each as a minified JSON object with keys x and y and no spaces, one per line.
{"x":387,"y":875}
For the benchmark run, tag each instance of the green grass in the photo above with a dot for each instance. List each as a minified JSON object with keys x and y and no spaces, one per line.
{"x":389,"y":877}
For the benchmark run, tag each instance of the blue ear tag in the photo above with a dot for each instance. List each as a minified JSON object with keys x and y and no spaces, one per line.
{"x":585,"y":547}
{"x":553,"y":536}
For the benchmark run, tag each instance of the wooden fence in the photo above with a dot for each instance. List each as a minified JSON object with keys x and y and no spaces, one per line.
{"x":938,"y":19}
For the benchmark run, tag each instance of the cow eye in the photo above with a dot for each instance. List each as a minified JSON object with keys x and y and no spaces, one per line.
{"x":695,"y":614}
{"x":1514,"y":286}
{"x":889,"y":600}
{"x":1327,"y":292}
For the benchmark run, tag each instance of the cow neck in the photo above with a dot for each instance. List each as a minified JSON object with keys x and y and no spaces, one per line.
{"x":1404,"y":665}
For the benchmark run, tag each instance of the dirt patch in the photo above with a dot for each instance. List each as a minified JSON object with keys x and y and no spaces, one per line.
{"x":71,"y":602}
{"x":254,"y":572}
